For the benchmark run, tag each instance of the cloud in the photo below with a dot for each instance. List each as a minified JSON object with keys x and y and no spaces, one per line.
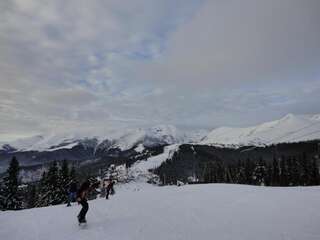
{"x":234,"y":42}
{"x":66,"y":97}
{"x":109,"y":64}
{"x":63,"y":64}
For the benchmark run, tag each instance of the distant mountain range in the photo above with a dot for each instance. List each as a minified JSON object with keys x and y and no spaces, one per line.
{"x":291,"y":128}
{"x":38,"y":150}
{"x":148,"y":137}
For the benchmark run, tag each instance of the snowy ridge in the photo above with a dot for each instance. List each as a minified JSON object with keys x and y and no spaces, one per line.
{"x":291,"y":128}
{"x":123,"y":140}
{"x":50,"y":142}
{"x":154,"y":136}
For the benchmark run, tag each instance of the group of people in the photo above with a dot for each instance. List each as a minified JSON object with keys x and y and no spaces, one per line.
{"x":81,"y":195}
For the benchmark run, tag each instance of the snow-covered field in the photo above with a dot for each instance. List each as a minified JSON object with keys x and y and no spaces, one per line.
{"x":213,"y":211}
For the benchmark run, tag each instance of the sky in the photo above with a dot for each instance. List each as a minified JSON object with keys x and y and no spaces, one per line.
{"x":104,"y":65}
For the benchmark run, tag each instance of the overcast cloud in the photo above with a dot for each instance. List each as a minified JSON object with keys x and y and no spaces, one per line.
{"x":100,"y":65}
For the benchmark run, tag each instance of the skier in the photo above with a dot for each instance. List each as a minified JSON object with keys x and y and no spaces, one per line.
{"x":82,"y":199}
{"x":72,"y":193}
{"x":110,"y":188}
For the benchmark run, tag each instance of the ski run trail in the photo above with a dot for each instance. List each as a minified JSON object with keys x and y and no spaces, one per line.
{"x":210,"y":211}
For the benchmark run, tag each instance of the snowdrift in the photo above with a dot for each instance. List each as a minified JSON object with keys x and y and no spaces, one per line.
{"x":213,"y":211}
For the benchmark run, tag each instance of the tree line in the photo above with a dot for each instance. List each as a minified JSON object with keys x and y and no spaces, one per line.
{"x":52,"y":188}
{"x":281,"y":171}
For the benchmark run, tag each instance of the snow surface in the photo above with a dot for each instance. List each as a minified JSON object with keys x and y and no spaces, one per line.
{"x":66,"y":146}
{"x":140,"y":170}
{"x":139,"y":148}
{"x":213,"y":211}
{"x":291,"y":128}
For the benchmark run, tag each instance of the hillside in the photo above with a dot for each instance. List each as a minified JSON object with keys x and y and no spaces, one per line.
{"x":291,"y":128}
{"x":213,"y":211}
{"x":123,"y":139}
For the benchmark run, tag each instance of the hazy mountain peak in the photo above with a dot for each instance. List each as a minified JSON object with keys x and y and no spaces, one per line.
{"x":290,"y":128}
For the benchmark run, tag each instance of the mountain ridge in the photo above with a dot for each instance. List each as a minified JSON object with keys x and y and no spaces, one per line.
{"x":124,"y":140}
{"x":290,"y":128}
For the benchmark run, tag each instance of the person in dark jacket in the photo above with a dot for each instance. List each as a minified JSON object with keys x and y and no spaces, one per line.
{"x":82,"y":199}
{"x":72,"y":192}
{"x":110,"y":189}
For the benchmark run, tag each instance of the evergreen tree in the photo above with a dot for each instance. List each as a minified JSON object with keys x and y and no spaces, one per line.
{"x":268,"y":177}
{"x":295,"y":172}
{"x":64,"y":172}
{"x":228,"y":176}
{"x":64,"y":179}
{"x":249,"y":168}
{"x":306,"y":170}
{"x":240,"y":173}
{"x":289,"y":172}
{"x":2,"y":196}
{"x":52,"y":191}
{"x":220,"y":173}
{"x":73,"y":174}
{"x":32,"y":197}
{"x":283,"y":172}
{"x":10,"y":194}
{"x":275,"y":179}
{"x":259,"y":173}
{"x":43,"y":191}
{"x":315,"y":172}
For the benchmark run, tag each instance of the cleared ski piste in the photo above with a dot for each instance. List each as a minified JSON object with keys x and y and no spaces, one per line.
{"x":211,"y":211}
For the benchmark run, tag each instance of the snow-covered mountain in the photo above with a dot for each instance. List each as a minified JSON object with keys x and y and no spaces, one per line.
{"x":149,"y":137}
{"x":123,"y":140}
{"x":291,"y":128}
{"x":50,"y":142}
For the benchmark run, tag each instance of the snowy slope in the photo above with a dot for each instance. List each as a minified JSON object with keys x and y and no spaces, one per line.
{"x":27,"y":143}
{"x":204,"y":212}
{"x":291,"y":128}
{"x":140,"y":170}
{"x":122,"y":139}
{"x":154,"y":136}
{"x":50,"y":142}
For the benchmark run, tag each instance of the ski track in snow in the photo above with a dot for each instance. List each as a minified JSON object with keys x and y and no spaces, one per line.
{"x":213,"y":211}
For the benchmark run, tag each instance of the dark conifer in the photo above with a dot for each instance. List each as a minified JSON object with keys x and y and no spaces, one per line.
{"x":10,"y":193}
{"x":275,"y":179}
{"x":283,"y":172}
{"x":295,"y":172}
{"x":32,"y":196}
{"x":315,"y":172}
